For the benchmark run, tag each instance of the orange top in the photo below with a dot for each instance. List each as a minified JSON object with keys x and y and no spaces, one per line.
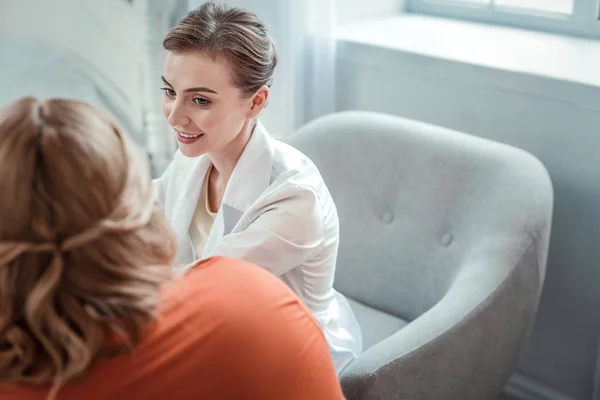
{"x":228,"y":330}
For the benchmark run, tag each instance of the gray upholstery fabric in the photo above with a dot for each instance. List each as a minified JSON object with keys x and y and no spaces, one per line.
{"x":444,"y":230}
{"x":375,"y":325}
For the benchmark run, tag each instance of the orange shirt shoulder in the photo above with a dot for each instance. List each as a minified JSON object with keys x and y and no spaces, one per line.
{"x":227,"y":330}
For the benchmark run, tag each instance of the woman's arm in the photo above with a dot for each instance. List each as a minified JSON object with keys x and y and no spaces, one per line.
{"x":289,"y":231}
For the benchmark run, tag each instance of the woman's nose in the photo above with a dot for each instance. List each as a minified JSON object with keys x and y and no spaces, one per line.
{"x":177,"y":115}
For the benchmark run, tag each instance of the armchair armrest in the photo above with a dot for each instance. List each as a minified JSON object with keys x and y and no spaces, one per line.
{"x":473,"y":334}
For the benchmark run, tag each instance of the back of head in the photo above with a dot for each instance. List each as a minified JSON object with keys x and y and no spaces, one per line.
{"x":233,"y":33}
{"x":82,"y":247}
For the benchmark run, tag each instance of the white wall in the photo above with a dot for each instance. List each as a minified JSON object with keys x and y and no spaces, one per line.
{"x":108,"y":34}
{"x":565,"y":135}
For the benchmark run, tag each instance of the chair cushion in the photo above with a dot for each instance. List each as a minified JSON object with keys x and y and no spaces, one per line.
{"x":375,"y":325}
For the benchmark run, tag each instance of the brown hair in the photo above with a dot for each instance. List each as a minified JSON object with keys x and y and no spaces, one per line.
{"x":83,"y":249}
{"x":233,"y":33}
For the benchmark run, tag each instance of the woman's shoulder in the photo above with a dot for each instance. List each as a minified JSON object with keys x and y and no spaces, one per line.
{"x":224,"y":295}
{"x":292,"y":167}
{"x":288,"y":157}
{"x":224,"y":280}
{"x":297,"y":182}
{"x":250,"y":325}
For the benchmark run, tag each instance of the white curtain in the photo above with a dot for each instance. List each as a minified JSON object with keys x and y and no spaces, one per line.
{"x":304,"y":85}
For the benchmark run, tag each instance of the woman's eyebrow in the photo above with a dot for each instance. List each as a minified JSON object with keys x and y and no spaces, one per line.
{"x":193,"y":89}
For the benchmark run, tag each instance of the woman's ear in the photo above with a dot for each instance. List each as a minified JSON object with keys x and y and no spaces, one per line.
{"x":259,"y":101}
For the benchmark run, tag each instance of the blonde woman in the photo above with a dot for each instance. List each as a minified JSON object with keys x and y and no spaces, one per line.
{"x":89,"y":309}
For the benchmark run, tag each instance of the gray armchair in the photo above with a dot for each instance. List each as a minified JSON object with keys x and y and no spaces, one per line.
{"x":443,"y":246}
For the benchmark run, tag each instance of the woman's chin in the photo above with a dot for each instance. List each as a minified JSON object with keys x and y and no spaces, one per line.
{"x":191,"y":151}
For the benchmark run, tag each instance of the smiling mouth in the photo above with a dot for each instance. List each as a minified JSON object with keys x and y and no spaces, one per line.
{"x":187,"y":135}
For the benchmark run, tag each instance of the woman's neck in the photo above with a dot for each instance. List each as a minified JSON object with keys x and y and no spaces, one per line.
{"x":225,"y":159}
{"x":223,"y":164}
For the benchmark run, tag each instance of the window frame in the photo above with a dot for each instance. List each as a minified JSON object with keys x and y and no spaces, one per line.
{"x":584,"y":22}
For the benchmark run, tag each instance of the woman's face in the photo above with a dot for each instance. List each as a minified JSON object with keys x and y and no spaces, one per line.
{"x":205,"y":109}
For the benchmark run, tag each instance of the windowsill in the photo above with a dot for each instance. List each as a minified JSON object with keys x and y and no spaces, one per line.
{"x":510,"y":58}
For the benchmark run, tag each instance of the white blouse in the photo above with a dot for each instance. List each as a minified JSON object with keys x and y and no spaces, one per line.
{"x":276,"y":213}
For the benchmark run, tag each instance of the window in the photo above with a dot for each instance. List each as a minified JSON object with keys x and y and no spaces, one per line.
{"x":551,"y":6}
{"x":577,"y":17}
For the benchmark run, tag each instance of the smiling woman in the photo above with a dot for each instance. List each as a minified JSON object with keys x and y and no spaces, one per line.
{"x":232,"y":189}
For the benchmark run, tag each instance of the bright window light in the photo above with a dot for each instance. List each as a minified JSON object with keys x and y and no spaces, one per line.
{"x":571,"y":17}
{"x":554,"y":6}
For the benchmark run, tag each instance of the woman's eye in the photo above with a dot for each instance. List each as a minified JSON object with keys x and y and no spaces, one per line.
{"x":201,"y":102}
{"x":168,"y":91}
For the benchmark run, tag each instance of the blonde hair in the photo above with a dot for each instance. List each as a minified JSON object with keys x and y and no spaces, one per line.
{"x":83,"y":249}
